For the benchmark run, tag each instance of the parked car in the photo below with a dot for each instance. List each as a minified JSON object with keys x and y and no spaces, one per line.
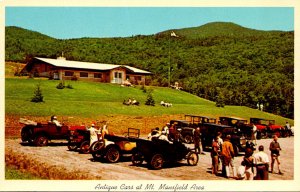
{"x":242,"y":125}
{"x":210,"y":130}
{"x":113,"y":146}
{"x":159,"y":152}
{"x":268,"y":128}
{"x":40,"y":134}
{"x":184,"y":128}
{"x":197,"y":120}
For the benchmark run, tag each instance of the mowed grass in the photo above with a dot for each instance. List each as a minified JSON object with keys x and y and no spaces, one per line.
{"x":91,"y":99}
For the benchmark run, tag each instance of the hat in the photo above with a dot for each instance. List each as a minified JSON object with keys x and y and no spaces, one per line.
{"x":93,"y":124}
{"x":54,"y":117}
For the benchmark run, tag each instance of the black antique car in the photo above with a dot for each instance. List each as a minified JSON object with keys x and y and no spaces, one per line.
{"x":184,"y":129}
{"x":158,"y":152}
{"x":242,"y":125}
{"x":210,"y":130}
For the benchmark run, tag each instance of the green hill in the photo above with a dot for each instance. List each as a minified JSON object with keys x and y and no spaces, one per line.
{"x":217,"y":29}
{"x":90,"y":100}
{"x":218,"y":61}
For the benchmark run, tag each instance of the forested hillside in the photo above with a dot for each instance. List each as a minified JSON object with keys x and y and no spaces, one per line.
{"x":223,"y":62}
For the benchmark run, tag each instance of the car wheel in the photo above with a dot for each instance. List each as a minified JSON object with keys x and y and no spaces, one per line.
{"x":137,"y":159}
{"x":72,"y":145}
{"x":24,"y":135}
{"x":157,"y":161}
{"x":97,"y":155}
{"x":96,"y":146}
{"x":85,"y":147}
{"x":41,"y":141}
{"x":112,"y":154}
{"x":192,"y":158}
{"x":188,"y":139}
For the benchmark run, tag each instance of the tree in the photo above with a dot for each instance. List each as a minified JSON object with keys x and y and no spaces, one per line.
{"x":150,"y":101}
{"x":38,"y":96}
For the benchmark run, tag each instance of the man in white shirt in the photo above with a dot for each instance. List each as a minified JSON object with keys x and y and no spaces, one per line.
{"x":261,"y":160}
{"x":55,"y":121}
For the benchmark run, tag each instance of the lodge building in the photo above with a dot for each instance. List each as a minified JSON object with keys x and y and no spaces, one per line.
{"x":62,"y":69}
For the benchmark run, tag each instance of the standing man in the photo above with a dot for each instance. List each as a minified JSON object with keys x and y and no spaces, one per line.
{"x":197,"y":139}
{"x":261,"y":161}
{"x":275,"y":149}
{"x":254,"y":133}
{"x":228,"y":156}
{"x":215,"y":156}
{"x":288,"y":128}
{"x":93,"y":134}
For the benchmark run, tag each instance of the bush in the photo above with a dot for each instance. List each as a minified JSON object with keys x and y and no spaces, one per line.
{"x":150,"y":101}
{"x":61,"y":85}
{"x":38,"y":96}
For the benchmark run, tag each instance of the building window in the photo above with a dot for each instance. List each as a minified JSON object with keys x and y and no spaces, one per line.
{"x":84,"y":74}
{"x":69,"y":73}
{"x":98,"y":75}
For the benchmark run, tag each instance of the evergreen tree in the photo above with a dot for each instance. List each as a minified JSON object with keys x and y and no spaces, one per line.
{"x":38,"y":96}
{"x":150,"y":100}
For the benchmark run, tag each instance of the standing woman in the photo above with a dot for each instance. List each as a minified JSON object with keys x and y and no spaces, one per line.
{"x":215,"y":156}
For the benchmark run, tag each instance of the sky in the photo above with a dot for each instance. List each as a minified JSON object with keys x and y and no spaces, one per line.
{"x":77,"y":22}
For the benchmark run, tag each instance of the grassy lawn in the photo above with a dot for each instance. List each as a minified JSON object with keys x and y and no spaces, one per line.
{"x":14,"y":174}
{"x":90,"y":99}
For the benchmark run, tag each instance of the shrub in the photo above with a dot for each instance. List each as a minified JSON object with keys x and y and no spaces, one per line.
{"x":150,"y":100}
{"x":61,"y":85}
{"x":38,"y":96}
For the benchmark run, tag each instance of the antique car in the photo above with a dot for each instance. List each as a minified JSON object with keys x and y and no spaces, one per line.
{"x":268,"y":128}
{"x":113,"y":146}
{"x":79,"y":139}
{"x":184,"y":129}
{"x":210,"y":130}
{"x":159,"y":152}
{"x":40,"y":134}
{"x":244,"y":129}
{"x":197,"y":120}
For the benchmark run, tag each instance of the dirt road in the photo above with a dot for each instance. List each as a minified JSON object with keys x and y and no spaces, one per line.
{"x":56,"y":162}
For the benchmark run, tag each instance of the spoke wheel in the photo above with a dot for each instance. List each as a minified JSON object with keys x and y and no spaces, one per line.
{"x":112,"y":155}
{"x":85,"y":147}
{"x":157,"y":161}
{"x":41,"y":141}
{"x":192,"y":158}
{"x":188,"y":139}
{"x":96,"y":146}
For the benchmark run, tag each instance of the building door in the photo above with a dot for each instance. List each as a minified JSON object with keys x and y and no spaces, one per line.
{"x":118,"y":77}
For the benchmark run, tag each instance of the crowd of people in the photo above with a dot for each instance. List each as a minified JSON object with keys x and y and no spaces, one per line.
{"x":254,"y":166}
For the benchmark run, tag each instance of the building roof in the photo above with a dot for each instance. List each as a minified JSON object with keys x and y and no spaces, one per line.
{"x":88,"y":65}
